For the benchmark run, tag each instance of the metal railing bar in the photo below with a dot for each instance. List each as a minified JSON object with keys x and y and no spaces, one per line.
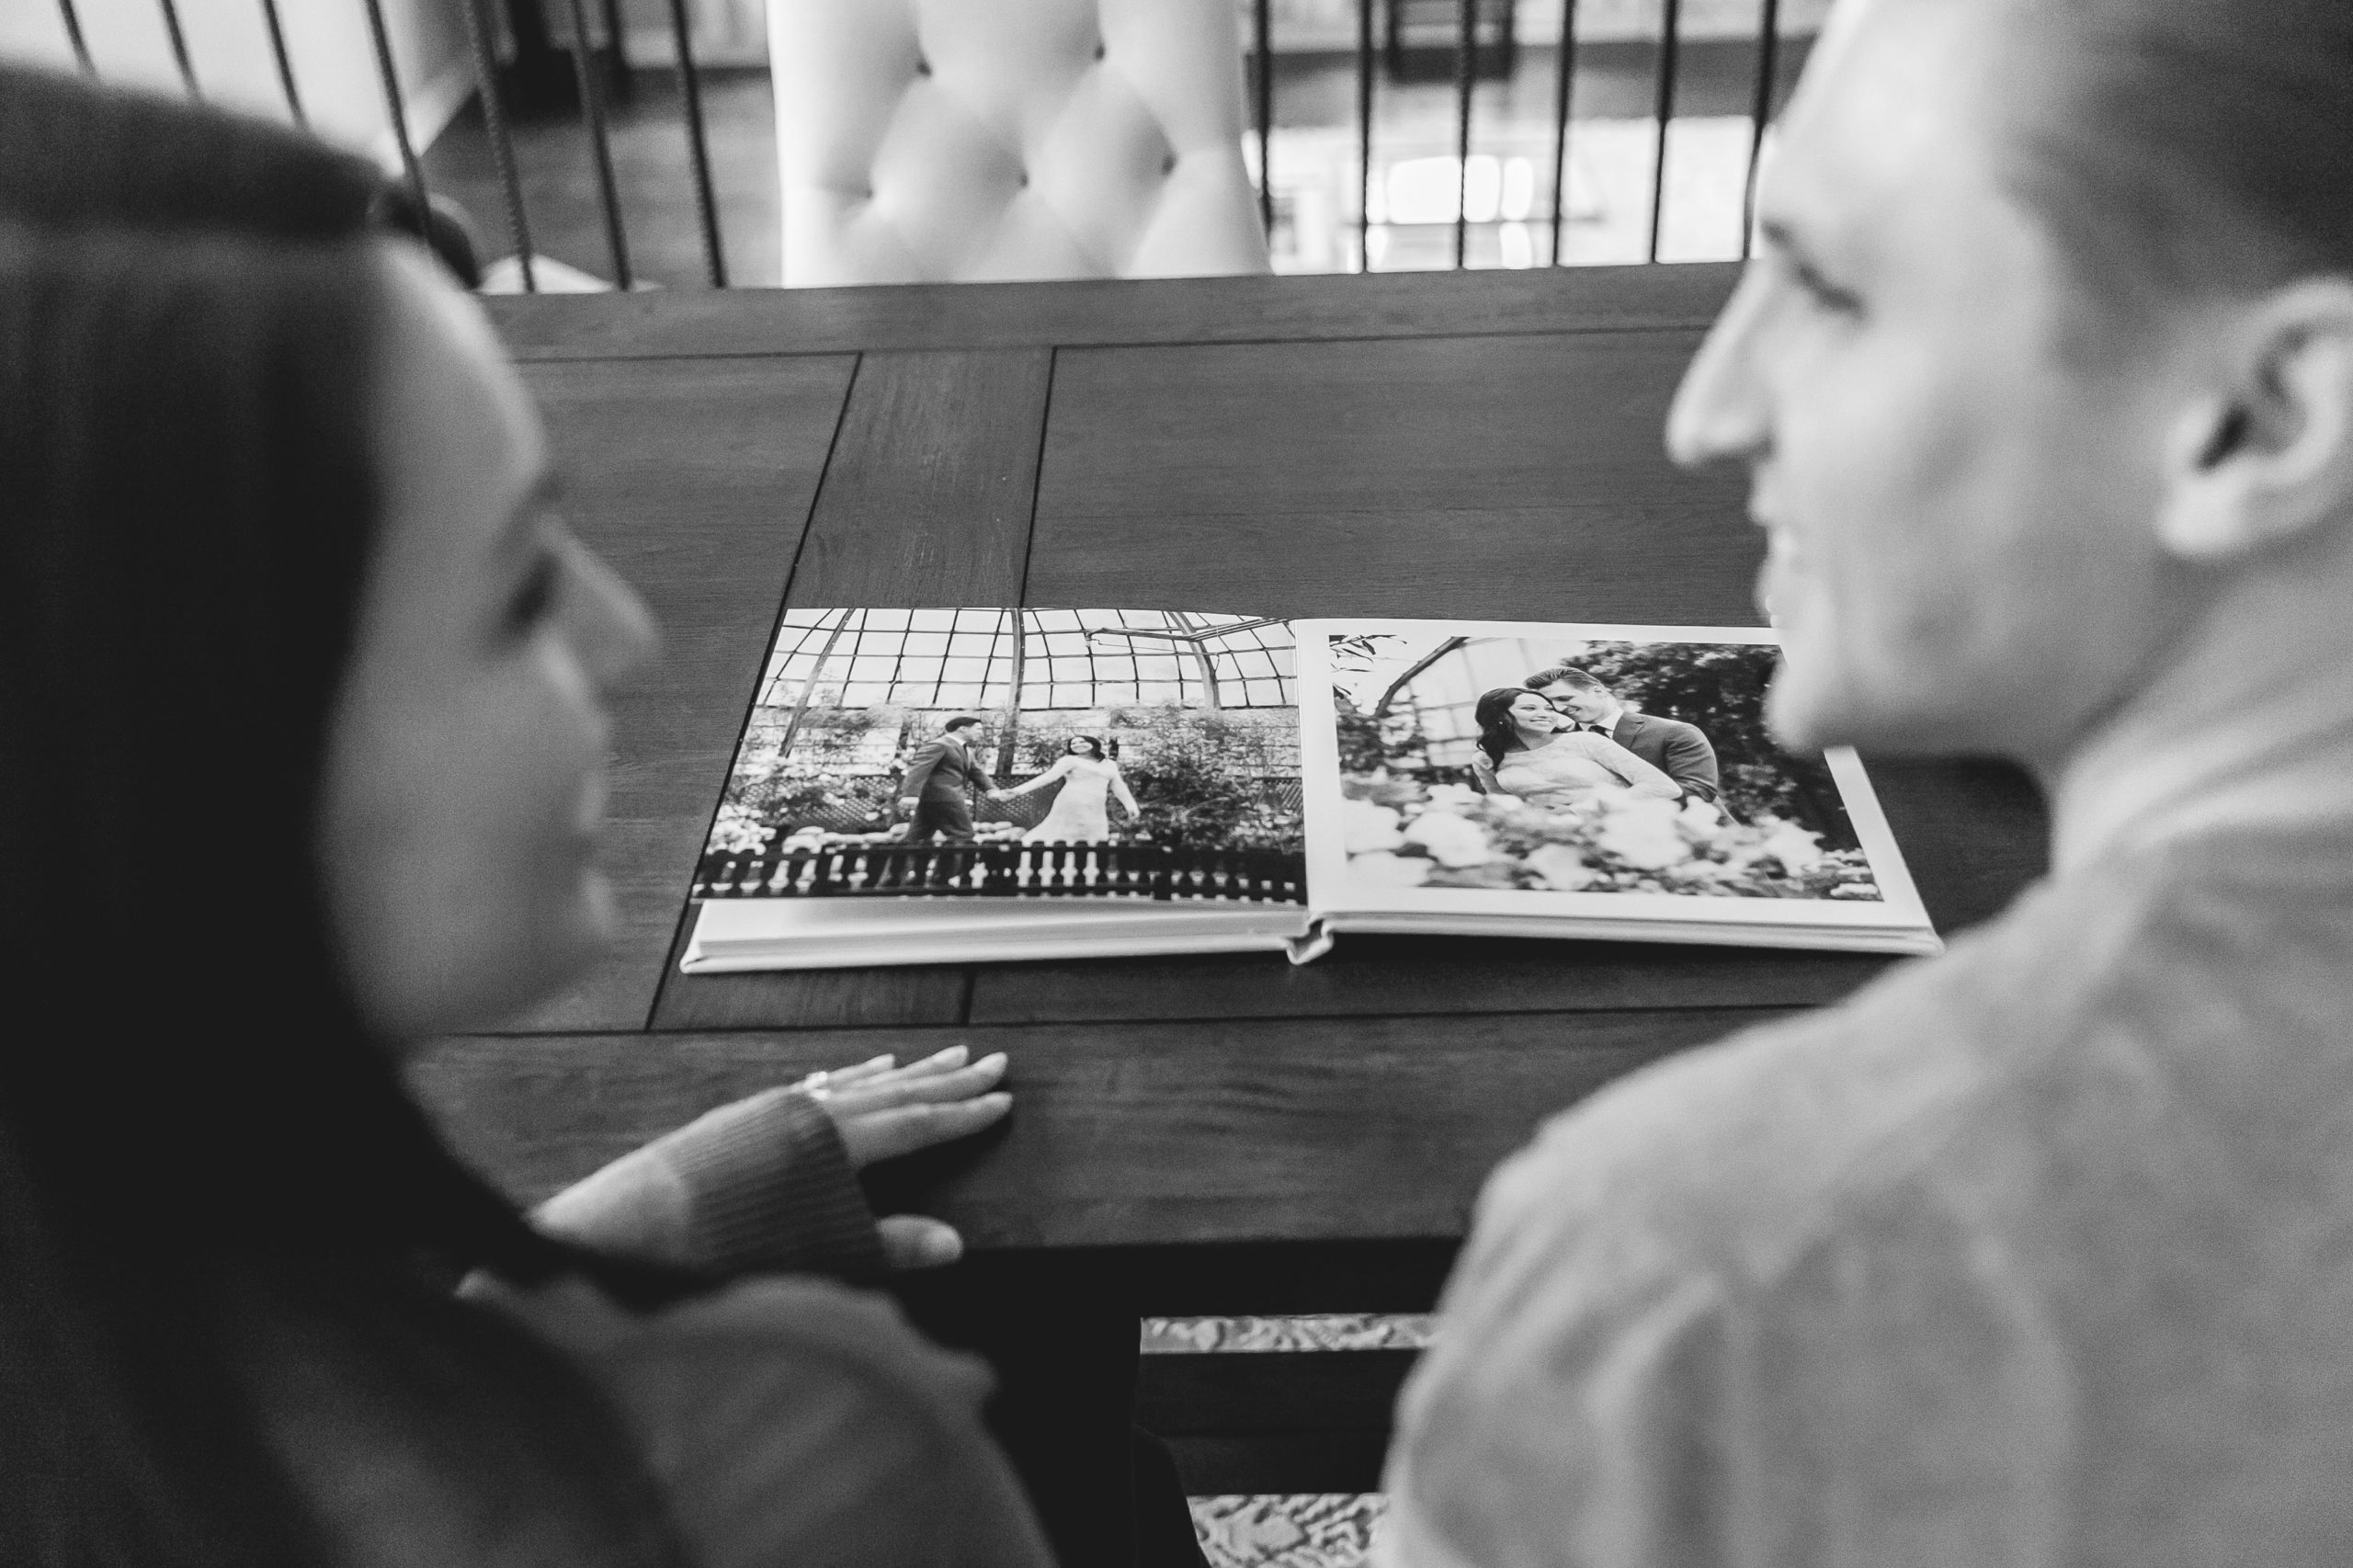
{"x":592,"y":105}
{"x":615,"y":39}
{"x":502,"y":142}
{"x":180,"y":46}
{"x":1364,"y":135}
{"x":399,"y":110}
{"x":1262,"y":38}
{"x":285,"y":61}
{"x":705,"y":206}
{"x":1464,"y":63}
{"x":72,"y":20}
{"x":1670,"y":37}
{"x":1768,"y":46}
{"x":1561,"y":90}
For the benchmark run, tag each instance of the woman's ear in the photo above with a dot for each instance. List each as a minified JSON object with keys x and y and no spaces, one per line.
{"x":2270,"y":457}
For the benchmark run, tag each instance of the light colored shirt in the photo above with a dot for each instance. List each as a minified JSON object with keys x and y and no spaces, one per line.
{"x":2038,"y":1253}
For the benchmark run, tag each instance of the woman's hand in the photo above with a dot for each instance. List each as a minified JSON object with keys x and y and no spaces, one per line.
{"x":883,"y":1110}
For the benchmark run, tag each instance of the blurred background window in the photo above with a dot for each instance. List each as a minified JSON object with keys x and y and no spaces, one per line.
{"x":612,"y":164}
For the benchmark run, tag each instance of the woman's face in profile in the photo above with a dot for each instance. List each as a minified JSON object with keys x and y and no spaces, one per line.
{"x":465,"y":780}
{"x":1959,"y":501}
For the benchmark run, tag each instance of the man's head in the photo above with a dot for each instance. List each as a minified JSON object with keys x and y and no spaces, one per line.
{"x":963,"y":727}
{"x":2051,"y":339}
{"x":1572,"y":691}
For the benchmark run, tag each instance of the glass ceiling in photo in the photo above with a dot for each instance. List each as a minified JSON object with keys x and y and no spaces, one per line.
{"x":1075,"y":660}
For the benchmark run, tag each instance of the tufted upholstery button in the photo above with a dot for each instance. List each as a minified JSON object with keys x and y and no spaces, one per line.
{"x":1091,"y":150}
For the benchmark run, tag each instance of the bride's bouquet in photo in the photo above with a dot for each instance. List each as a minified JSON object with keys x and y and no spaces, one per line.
{"x":1402,"y":833}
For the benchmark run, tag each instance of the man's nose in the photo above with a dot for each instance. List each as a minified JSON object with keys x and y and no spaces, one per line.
{"x":1721,"y":410}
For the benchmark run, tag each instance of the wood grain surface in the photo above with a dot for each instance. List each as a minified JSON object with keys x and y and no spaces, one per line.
{"x":927,"y":501}
{"x":1180,"y":1132}
{"x":1500,"y":478}
{"x":1182,"y":309}
{"x":1473,"y":445}
{"x":694,"y":479}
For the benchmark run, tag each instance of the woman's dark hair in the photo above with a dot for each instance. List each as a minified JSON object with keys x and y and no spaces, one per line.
{"x":1491,"y":713}
{"x":2183,"y":146}
{"x":187,"y":500}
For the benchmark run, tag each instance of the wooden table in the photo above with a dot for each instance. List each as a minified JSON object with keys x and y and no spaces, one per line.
{"x":1251,"y":1136}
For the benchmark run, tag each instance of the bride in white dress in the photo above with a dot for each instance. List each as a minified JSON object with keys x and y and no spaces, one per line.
{"x":1080,"y":813}
{"x":1529,"y":751}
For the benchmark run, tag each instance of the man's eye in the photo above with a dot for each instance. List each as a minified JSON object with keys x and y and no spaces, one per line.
{"x":1825,"y":294}
{"x":535,"y":595}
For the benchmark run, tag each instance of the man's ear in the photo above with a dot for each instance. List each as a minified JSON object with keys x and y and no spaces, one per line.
{"x":2268,"y":458}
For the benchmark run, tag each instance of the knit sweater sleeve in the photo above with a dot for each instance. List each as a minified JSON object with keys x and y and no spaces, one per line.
{"x":761,"y":1184}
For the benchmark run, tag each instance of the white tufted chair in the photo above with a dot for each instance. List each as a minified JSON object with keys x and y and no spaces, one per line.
{"x":964,"y":141}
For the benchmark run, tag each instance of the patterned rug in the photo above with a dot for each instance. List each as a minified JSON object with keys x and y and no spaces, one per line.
{"x":1324,"y":1331}
{"x":1310,"y":1531}
{"x":1332,"y":1530}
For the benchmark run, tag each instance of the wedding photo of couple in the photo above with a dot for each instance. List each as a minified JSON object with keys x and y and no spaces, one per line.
{"x":1561,"y":734}
{"x":1532,"y":764}
{"x":937,"y":789}
{"x":883,"y":738}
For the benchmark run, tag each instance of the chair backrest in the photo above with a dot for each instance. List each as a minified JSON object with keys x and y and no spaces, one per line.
{"x":936,"y":140}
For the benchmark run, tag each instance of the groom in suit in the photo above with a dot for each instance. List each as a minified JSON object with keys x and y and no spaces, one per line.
{"x":1680,"y":751}
{"x":936,"y":794}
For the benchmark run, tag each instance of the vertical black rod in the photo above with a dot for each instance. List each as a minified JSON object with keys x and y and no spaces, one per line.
{"x":502,"y":144}
{"x":1560,"y":88}
{"x":74,"y":36}
{"x":592,"y":104}
{"x":1263,"y":32}
{"x":1670,"y":31}
{"x":399,"y":110}
{"x":285,"y":61}
{"x":614,"y":40}
{"x":1462,"y":72}
{"x":180,"y":46}
{"x":705,"y":206}
{"x":1768,"y":46}
{"x":1364,"y":135}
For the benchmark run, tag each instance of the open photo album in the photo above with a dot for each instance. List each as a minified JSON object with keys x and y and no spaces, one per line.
{"x":956,"y":786}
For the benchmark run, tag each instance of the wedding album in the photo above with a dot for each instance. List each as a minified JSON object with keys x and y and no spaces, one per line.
{"x":977,"y":785}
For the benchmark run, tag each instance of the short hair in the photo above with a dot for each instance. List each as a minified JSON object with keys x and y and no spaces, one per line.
{"x":2179,"y":147}
{"x":957,"y":723}
{"x":1568,"y":673}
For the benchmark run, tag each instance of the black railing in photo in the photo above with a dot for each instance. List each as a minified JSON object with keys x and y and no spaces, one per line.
{"x":1004,"y":868}
{"x":1482,"y":43}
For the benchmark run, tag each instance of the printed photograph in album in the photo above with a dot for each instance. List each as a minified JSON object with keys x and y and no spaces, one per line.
{"x":1526,"y":763}
{"x":979,"y":752}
